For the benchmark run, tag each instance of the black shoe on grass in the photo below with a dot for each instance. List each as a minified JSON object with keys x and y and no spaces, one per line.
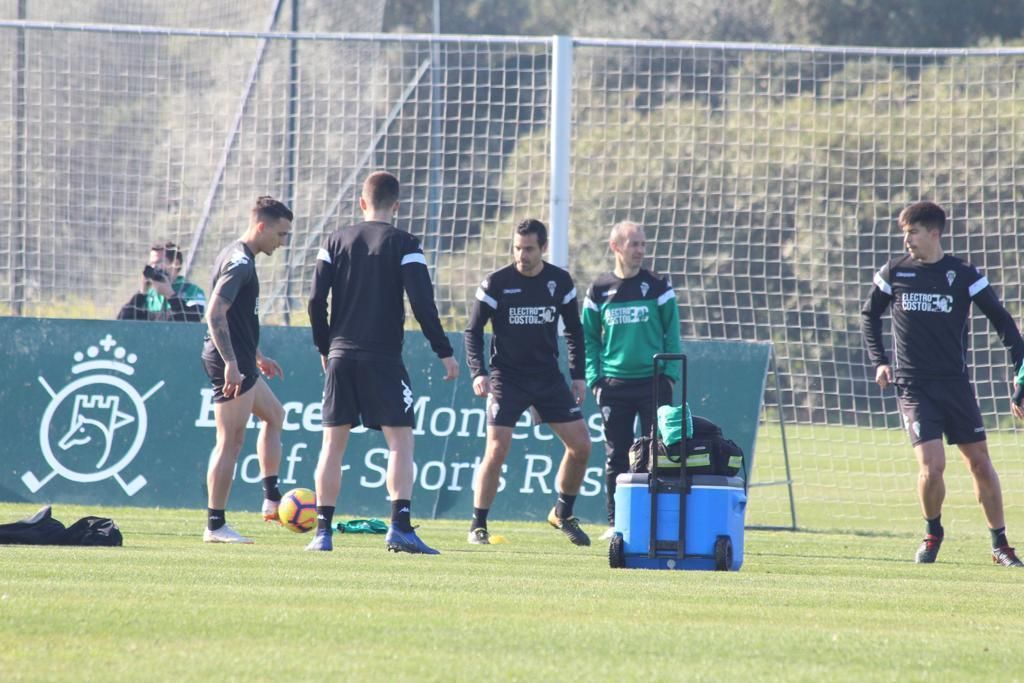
{"x":479,"y":536}
{"x":570,"y":526}
{"x":928,"y":550}
{"x":1005,"y":556}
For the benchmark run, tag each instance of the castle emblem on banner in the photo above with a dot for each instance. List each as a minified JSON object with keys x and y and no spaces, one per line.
{"x":95,"y":425}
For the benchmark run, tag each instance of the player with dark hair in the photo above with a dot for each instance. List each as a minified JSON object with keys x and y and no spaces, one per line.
{"x":931,"y":294}
{"x":164,"y":293}
{"x":523,"y":303}
{"x":629,"y":314}
{"x":233,"y":361}
{"x":367,"y":269}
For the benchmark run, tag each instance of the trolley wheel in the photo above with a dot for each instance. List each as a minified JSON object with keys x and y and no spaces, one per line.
{"x":617,"y":552}
{"x":723,"y":553}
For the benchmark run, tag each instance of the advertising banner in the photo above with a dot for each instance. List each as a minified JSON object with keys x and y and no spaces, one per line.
{"x":120,"y":413}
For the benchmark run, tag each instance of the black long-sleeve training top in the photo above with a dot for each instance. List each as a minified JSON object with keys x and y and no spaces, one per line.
{"x":524,"y":314}
{"x":366,"y":268}
{"x":930,"y":317}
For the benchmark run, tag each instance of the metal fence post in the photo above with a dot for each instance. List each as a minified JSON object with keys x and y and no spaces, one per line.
{"x":561,"y":132}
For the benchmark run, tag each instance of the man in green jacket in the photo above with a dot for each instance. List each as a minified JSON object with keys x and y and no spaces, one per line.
{"x":163,"y":293}
{"x":629,"y":314}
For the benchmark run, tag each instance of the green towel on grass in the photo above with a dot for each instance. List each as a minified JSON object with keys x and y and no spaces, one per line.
{"x":362,"y":526}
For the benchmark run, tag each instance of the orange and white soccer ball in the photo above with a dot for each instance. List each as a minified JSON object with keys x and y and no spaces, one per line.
{"x":297,"y":511}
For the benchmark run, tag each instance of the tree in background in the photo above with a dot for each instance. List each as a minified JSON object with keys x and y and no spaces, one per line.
{"x":898,"y":23}
{"x":903,"y":23}
{"x":483,"y":17}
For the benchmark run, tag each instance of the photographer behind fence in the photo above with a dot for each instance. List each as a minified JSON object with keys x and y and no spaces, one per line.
{"x":164,"y":294}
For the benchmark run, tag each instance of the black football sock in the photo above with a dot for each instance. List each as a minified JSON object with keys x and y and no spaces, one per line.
{"x":324,"y":517}
{"x":935,"y":526}
{"x":270,"y":490}
{"x":401,"y":514}
{"x":999,"y":537}
{"x":214,"y":519}
{"x":563,"y":508}
{"x":479,"y":518}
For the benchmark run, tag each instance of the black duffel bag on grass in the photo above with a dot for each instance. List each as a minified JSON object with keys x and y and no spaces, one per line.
{"x":42,"y":529}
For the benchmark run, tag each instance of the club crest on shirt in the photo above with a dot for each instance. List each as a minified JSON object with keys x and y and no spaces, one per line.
{"x":551,"y":287}
{"x":644,"y":288}
{"x":950,"y":276}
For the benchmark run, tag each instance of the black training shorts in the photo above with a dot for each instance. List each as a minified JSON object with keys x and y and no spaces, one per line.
{"x":933,"y":407}
{"x":214,"y":367}
{"x":511,"y":395}
{"x":375,"y":393}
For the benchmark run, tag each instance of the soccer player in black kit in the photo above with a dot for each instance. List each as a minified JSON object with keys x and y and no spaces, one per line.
{"x":366,"y":269}
{"x":523,"y":303}
{"x":232,"y":360}
{"x":931,"y":295}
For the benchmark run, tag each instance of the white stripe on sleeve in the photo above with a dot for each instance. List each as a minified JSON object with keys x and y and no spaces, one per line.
{"x":882,"y":284}
{"x":323,"y":255}
{"x":978,"y":285}
{"x":414,"y":258}
{"x":481,"y":295}
{"x":569,"y":297}
{"x":667,"y":296}
{"x":587,"y":303}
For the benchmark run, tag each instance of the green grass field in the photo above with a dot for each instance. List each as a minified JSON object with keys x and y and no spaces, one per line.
{"x":859,"y":479}
{"x":806,"y":606}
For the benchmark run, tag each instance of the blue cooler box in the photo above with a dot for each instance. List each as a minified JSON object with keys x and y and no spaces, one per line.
{"x":715,"y":509}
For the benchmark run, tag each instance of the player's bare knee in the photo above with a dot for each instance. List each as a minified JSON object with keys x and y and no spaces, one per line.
{"x":981,"y":467}
{"x":580,"y":443}
{"x":231,"y":437}
{"x":271,"y":433}
{"x":496,"y":450}
{"x":274,"y":421}
{"x":270,"y":414}
{"x":229,"y":450}
{"x":579,"y":450}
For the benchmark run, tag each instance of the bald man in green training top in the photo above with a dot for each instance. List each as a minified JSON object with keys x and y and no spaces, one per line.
{"x":629,"y":314}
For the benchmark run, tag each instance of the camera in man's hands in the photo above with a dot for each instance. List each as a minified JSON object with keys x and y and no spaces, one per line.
{"x":151,"y":273}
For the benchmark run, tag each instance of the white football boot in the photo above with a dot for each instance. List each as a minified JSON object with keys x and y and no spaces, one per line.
{"x":225,"y":534}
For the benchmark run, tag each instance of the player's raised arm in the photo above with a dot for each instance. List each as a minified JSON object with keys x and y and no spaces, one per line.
{"x":323,"y":279}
